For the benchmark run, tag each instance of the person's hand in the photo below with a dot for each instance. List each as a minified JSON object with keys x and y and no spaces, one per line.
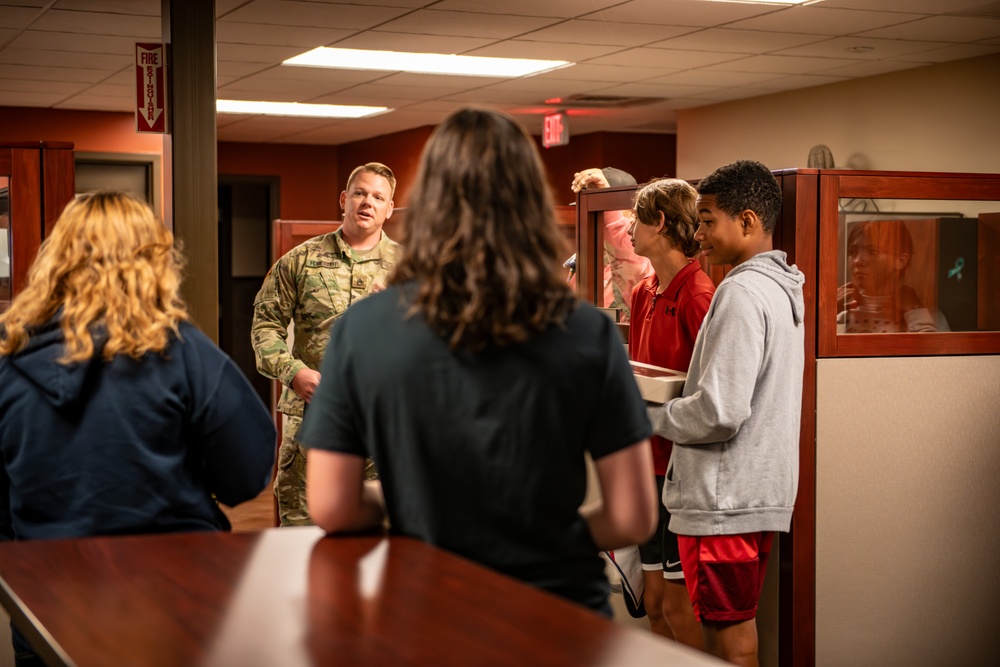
{"x":378,"y":287}
{"x":589,"y":178}
{"x":305,"y":382}
{"x":848,"y":297}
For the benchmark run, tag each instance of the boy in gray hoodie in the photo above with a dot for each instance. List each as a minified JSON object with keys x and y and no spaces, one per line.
{"x":734,"y":470}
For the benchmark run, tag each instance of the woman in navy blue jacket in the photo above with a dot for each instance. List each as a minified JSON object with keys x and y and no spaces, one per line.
{"x":116,"y":414}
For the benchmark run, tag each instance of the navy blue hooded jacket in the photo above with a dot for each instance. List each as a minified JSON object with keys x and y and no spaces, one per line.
{"x":127,"y":446}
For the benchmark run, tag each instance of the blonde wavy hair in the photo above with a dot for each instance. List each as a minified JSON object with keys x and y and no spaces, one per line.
{"x":111,"y":264}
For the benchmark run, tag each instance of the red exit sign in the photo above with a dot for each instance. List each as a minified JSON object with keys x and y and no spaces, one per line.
{"x":555,"y":131}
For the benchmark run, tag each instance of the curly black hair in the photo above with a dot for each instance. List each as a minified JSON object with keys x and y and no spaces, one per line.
{"x":742,"y":185}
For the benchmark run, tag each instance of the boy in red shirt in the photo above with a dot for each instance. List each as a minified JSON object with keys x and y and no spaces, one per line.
{"x":667,"y":310}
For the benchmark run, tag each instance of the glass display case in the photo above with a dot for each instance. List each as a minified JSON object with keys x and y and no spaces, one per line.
{"x":907,"y":263}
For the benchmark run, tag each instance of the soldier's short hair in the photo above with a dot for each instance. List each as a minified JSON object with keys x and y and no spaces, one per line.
{"x":375,"y":168}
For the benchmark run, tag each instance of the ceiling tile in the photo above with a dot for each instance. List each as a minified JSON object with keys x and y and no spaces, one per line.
{"x":226,"y":92}
{"x":650,"y":89}
{"x":145,"y":27}
{"x":65,"y":59}
{"x":106,"y":89}
{"x":683,"y":12}
{"x":324,"y":75}
{"x":495,"y":96}
{"x":871,"y":68}
{"x":862,"y":48}
{"x":352,"y":96}
{"x":565,"y":9}
{"x":64,"y":88}
{"x":240,"y":68}
{"x":231,"y":32}
{"x":579,"y":31}
{"x":703,"y":77}
{"x":737,"y":41}
{"x":800,"y":81}
{"x":22,"y":99}
{"x":223,"y":7}
{"x":819,"y":20}
{"x":256,"y":54}
{"x":433,"y":82}
{"x":668,"y":58}
{"x":520,"y":48}
{"x":95,"y":102}
{"x":781,"y":64}
{"x":52,"y":73}
{"x":950,"y":53}
{"x":463,"y":24}
{"x":545,"y":88}
{"x":313,"y":14}
{"x":729,"y":94}
{"x":16,"y":18}
{"x":268,"y":128}
{"x":941,"y":29}
{"x":398,"y":41}
{"x":298,"y":90}
{"x":137,"y":7}
{"x":77,"y":42}
{"x":911,"y":6}
{"x":606,"y":73}
{"x":330,"y":135}
{"x":404,"y":4}
{"x":381,"y":90}
{"x":124,"y":77}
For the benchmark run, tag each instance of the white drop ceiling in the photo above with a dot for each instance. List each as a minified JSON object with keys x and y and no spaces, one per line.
{"x":77,"y":54}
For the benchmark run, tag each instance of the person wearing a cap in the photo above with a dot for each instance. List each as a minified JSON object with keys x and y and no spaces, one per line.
{"x":623,"y":269}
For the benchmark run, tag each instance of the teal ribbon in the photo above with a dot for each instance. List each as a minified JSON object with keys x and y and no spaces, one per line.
{"x":957,"y":269}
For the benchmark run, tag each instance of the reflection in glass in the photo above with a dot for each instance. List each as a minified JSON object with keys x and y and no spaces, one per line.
{"x":5,"y":251}
{"x":908,"y":271}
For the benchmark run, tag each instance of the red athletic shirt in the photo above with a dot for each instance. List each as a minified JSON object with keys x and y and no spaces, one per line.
{"x":663,"y":328}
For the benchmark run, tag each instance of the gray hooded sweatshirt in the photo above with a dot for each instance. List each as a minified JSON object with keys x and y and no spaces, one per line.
{"x":735,"y":462}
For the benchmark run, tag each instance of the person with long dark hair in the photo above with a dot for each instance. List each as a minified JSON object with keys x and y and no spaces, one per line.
{"x":478,"y":383}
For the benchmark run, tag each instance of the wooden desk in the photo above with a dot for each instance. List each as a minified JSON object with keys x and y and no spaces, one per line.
{"x":288,"y":597}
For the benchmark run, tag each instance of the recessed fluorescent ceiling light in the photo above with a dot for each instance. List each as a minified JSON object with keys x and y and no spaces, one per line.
{"x":296,"y":109}
{"x":423,"y":63}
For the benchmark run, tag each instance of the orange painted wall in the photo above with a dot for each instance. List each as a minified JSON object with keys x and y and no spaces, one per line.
{"x":99,"y":131}
{"x":310,"y":177}
{"x":400,"y":151}
{"x":645,"y":156}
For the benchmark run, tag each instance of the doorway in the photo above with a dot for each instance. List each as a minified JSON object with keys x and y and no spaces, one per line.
{"x":247,"y":205}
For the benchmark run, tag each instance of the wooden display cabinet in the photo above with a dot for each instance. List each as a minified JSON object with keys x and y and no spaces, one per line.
{"x":807,"y":231}
{"x":36,"y":183}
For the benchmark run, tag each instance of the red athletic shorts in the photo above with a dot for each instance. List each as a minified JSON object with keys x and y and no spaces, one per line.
{"x":725,"y":574}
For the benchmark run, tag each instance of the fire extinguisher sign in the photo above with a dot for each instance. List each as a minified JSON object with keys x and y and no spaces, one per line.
{"x":150,"y":88}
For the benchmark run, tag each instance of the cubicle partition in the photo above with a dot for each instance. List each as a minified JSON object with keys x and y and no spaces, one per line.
{"x":891,"y":556}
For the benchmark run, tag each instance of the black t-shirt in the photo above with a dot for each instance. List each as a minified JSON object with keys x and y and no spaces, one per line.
{"x":482,"y":454}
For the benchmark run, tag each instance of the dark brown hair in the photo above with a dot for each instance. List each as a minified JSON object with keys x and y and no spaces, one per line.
{"x":482,"y":244}
{"x":676,"y":200}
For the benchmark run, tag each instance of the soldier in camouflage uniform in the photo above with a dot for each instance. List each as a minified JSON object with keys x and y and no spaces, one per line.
{"x":311,"y":286}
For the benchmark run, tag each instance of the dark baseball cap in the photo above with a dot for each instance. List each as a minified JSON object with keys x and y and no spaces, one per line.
{"x":618,"y":177}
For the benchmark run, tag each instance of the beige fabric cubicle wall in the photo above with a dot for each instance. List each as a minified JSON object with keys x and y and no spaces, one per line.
{"x":908,"y":511}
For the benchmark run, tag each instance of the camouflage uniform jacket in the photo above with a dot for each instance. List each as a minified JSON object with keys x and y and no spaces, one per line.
{"x":311,"y":285}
